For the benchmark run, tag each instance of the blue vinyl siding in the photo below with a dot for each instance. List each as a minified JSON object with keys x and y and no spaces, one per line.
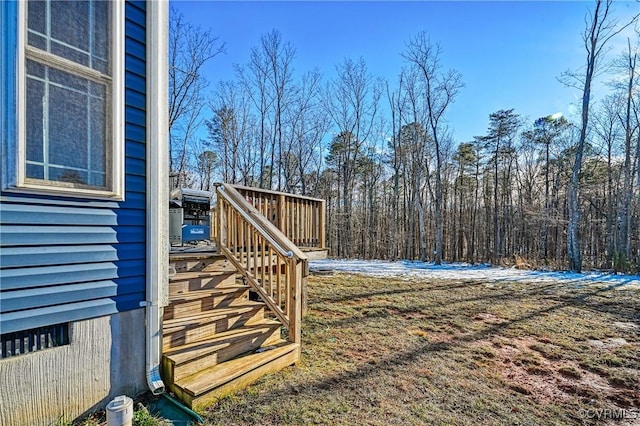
{"x":43,"y":276}
{"x":66,"y":259}
{"x":50,"y":235}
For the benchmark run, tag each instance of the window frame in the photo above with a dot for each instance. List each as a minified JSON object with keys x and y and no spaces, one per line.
{"x":114,"y":137}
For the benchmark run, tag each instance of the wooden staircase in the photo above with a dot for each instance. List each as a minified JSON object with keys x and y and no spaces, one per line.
{"x":216,"y":340}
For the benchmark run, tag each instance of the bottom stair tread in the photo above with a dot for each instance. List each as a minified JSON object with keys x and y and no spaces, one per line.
{"x":221,"y":374}
{"x":256,"y":334}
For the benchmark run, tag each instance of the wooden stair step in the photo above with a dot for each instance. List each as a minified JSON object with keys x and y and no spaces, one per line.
{"x":198,"y":294}
{"x":188,"y":359}
{"x":185,"y":255}
{"x":179,"y":331}
{"x":195,"y":302}
{"x":191,"y":351}
{"x":185,"y":262}
{"x":204,"y":318}
{"x":200,"y":280}
{"x":182,"y":276}
{"x":208,"y":386}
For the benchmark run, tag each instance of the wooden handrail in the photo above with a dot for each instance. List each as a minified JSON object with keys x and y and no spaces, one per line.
{"x":250,"y":213}
{"x":254,"y":217}
{"x":301,"y":219}
{"x":272,"y":265}
{"x":241,"y":189}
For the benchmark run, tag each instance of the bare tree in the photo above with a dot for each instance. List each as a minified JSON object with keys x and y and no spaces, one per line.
{"x":608,"y":130}
{"x":268,"y":78}
{"x":395,"y":184}
{"x":307,"y":124}
{"x":230,"y":133}
{"x":351,"y":102}
{"x":396,"y":108}
{"x":254,"y":79}
{"x":414,"y":148}
{"x":600,"y":28}
{"x":279,"y":56}
{"x":628,"y":64}
{"x":206,"y":163}
{"x":189,"y":49}
{"x":440,"y":89}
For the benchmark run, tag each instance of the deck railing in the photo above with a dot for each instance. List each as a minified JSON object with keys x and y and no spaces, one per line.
{"x":302,"y":219}
{"x":270,"y":262}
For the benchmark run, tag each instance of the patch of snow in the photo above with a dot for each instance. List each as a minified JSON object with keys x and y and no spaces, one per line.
{"x":465,"y":271}
{"x":608,"y":343}
{"x":626,"y":325}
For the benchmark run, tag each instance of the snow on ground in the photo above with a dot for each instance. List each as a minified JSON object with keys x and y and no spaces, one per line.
{"x":464,"y":271}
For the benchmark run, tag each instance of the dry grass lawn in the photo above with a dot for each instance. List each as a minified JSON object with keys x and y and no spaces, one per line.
{"x":380,"y":351}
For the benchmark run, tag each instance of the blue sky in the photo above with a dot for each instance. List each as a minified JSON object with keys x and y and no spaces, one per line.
{"x":510,"y":54}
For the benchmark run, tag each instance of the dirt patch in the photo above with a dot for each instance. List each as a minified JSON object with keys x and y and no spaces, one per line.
{"x":408,"y":315}
{"x":434,"y":337}
{"x":557,"y":381}
{"x":489,"y":318}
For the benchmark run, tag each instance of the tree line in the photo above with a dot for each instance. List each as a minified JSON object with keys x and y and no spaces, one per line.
{"x":547,"y":192}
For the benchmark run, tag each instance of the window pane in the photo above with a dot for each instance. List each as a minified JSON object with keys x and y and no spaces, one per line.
{"x":35,"y":105}
{"x":76,"y":30}
{"x":38,"y":41}
{"x":35,"y":69}
{"x":65,"y":79}
{"x":98,"y":130}
{"x":68,"y":127}
{"x":79,"y":31}
{"x":101,"y":47}
{"x":70,"y":23}
{"x":36,"y":11}
{"x":35,"y":171}
{"x":70,"y":53}
{"x":97,"y":90}
{"x":67,"y":175}
{"x":102,"y":66}
{"x":97,"y":179}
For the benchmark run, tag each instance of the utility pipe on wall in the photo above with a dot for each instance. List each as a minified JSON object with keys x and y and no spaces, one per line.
{"x":157,"y":268}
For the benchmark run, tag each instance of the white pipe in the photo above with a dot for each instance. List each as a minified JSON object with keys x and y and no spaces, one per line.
{"x":157,"y":187}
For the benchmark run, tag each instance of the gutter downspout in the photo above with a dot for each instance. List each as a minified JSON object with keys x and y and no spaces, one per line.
{"x":157,"y":265}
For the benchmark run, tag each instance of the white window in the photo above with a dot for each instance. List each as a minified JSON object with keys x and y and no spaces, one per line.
{"x":71,"y":101}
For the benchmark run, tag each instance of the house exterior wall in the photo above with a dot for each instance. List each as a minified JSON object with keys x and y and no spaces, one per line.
{"x":105,"y":359}
{"x":77,"y":261}
{"x":65,"y":259}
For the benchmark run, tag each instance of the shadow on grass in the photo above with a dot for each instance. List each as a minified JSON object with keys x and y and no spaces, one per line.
{"x":363,"y":296}
{"x":397,"y":362}
{"x":404,"y":357}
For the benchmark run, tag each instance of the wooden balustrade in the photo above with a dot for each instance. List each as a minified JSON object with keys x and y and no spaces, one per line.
{"x":270,"y":262}
{"x":301,"y":219}
{"x":213,"y":228}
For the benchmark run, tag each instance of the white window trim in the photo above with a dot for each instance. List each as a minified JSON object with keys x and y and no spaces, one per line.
{"x":115,"y":142}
